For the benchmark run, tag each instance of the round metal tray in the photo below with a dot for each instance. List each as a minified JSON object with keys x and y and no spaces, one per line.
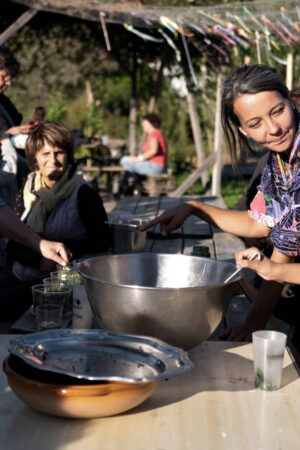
{"x":100,"y":355}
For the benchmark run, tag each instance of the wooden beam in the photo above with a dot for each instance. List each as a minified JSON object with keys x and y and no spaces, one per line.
{"x":19,"y":23}
{"x":197,"y":134}
{"x":289,"y":70}
{"x":133,"y":108}
{"x":218,"y":139}
{"x":193,"y":177}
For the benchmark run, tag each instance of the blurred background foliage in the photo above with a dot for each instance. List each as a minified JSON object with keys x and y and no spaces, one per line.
{"x":60,"y":54}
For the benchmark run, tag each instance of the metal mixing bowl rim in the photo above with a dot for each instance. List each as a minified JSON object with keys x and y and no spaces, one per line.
{"x":134,"y":286}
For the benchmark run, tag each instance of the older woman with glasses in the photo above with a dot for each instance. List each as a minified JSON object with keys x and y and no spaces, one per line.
{"x":58,"y":205}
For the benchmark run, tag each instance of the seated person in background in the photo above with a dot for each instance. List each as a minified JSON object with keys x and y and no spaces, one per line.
{"x":10,"y":118}
{"x":153,"y":159}
{"x":58,"y":205}
{"x":39,"y":115}
{"x":19,"y":140}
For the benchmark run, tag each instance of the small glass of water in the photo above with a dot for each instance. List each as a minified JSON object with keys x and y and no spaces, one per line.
{"x":268,"y":349}
{"x":48,"y":317}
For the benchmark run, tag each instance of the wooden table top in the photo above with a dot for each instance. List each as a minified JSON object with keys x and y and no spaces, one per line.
{"x":193,"y":232}
{"x":213,"y":406}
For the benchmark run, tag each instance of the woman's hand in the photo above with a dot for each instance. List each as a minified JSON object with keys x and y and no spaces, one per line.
{"x":263,"y":265}
{"x":21,"y":129}
{"x":133,"y":158}
{"x":56,"y":251}
{"x":171,"y":219}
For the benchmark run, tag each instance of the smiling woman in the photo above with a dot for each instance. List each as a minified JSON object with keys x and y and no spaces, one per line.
{"x":268,"y":119}
{"x":256,"y":104}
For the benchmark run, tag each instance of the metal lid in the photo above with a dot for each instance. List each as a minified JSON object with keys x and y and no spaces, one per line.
{"x":100,"y":355}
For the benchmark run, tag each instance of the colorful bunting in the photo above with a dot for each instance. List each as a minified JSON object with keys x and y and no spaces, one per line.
{"x":144,"y":36}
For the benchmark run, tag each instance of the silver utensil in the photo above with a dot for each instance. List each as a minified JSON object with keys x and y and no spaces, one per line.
{"x":238,"y":270}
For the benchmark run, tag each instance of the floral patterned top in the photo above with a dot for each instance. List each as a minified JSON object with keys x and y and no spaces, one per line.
{"x":277,"y":202}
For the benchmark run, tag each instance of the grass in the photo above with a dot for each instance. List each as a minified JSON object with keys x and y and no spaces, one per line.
{"x":232,"y":188}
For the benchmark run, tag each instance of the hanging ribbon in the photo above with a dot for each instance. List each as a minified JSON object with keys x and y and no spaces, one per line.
{"x":171,"y":44}
{"x":262,"y":27}
{"x":276,"y":58}
{"x":105,"y":33}
{"x":165,"y":22}
{"x":265,"y":19}
{"x":232,"y":34}
{"x":168,"y":22}
{"x":285,"y":17}
{"x":287,"y":31}
{"x":223,"y":21}
{"x":213,"y":18}
{"x":227,"y":39}
{"x":196,"y":28}
{"x":144,"y":36}
{"x":243,"y":25}
{"x":239,"y":21}
{"x":255,"y":20}
{"x":219,"y":49}
{"x":189,"y":61}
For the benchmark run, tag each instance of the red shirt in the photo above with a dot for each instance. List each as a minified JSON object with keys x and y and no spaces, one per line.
{"x":161,"y":156}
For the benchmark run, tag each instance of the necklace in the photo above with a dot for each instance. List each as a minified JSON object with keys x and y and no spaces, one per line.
{"x":284,"y":170}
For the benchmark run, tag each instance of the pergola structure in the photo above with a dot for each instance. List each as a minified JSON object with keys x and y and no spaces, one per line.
{"x":267,"y":26}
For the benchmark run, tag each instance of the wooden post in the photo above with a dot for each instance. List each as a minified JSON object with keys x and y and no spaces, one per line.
{"x":157,"y":86}
{"x":89,"y":102}
{"x":133,"y":109}
{"x":194,"y":176}
{"x":289,"y":71}
{"x":197,"y":134}
{"x":156,"y":89}
{"x":19,"y":23}
{"x":194,"y":117}
{"x":218,"y":139}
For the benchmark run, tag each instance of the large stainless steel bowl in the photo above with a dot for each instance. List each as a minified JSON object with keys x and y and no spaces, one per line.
{"x":177,"y":298}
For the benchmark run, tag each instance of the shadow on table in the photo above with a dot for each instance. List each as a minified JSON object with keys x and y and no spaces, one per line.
{"x":44,"y":432}
{"x":227,"y":372}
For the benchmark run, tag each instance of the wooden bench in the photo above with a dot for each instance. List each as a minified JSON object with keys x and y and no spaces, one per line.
{"x":159,"y":184}
{"x":113,"y":177}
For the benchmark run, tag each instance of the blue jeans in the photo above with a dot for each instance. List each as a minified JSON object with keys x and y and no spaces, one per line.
{"x":141,"y":167}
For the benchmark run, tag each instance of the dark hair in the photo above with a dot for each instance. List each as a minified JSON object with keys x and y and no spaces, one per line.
{"x":8,"y":62}
{"x":39,"y":114}
{"x":248,"y":79}
{"x":295,"y":96}
{"x":154,"y":119}
{"x":50,"y":133}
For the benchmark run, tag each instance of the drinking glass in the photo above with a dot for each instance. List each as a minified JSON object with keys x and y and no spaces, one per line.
{"x":49,"y":316}
{"x":42,"y":295}
{"x":268,"y":348}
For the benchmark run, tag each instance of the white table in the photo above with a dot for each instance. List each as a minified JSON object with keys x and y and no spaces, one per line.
{"x":214,"y":406}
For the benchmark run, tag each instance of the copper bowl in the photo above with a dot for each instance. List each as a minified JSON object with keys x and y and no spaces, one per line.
{"x":61,"y":395}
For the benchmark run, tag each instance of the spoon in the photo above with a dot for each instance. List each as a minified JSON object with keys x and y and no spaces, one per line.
{"x":258,"y":255}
